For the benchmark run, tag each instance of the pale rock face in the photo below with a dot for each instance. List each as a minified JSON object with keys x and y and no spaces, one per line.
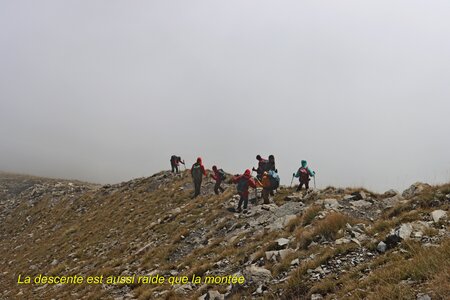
{"x":331,"y":204}
{"x":381,"y":247}
{"x":361,"y":203}
{"x":257,"y":274}
{"x":404,"y":231}
{"x":438,"y":214}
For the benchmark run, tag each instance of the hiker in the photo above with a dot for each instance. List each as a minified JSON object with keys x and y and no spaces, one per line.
{"x":303,"y":175}
{"x":218,"y":176}
{"x":270,"y":166}
{"x":262,"y":163}
{"x":197,"y":172}
{"x":243,"y":181}
{"x":270,"y":181}
{"x":175,"y":162}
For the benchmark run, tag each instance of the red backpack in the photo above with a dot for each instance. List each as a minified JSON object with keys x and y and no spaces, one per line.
{"x":304,"y":174}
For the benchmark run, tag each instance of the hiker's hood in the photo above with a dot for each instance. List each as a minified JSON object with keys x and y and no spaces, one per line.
{"x":199,"y":160}
{"x":247,"y":173}
{"x":304,"y":163}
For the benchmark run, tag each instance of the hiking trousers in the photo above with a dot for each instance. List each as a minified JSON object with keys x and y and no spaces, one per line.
{"x":243,"y":198}
{"x":265,"y":195}
{"x":301,"y":185}
{"x":197,"y":186}
{"x":174,"y":168}
{"x":218,"y":188}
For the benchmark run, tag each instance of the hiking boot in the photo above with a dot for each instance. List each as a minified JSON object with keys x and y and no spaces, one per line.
{"x":238,"y":210}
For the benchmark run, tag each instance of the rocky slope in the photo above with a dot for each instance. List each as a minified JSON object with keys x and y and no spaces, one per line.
{"x":331,"y":243}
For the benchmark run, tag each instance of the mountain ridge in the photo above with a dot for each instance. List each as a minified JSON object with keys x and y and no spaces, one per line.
{"x":301,"y":246}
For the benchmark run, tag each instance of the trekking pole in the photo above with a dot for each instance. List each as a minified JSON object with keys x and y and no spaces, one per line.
{"x":314,"y":181}
{"x":292,"y":180}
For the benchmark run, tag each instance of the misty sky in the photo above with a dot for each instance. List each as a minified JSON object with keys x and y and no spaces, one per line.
{"x":106,"y":91}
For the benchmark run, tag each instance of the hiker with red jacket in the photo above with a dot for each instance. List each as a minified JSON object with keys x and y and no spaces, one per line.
{"x":175,"y":162}
{"x":243,"y":181}
{"x":197,"y":172}
{"x":303,"y":175}
{"x":218,"y":176}
{"x":262,"y":165}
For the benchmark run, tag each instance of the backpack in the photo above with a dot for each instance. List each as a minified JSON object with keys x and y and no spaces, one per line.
{"x":242,"y":185}
{"x":197,"y":170}
{"x":222,"y":174}
{"x":173,"y":159}
{"x":304,"y":174}
{"x":274,"y":179}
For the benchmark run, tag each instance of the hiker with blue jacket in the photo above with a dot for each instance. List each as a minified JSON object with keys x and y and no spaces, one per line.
{"x":303,"y":175}
{"x":218,"y":176}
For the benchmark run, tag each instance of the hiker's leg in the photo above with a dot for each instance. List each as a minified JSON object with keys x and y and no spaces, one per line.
{"x":221,"y":189}
{"x":173,"y":168}
{"x":265,"y":196}
{"x":307,"y":185}
{"x":197,"y":184}
{"x":241,"y":198}
{"x":245,"y":200}
{"x":216,"y":188}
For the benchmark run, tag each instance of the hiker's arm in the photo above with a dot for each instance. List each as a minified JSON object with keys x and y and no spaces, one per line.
{"x":311,"y":173}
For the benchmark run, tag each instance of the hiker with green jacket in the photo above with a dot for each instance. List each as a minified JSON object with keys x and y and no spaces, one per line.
{"x":303,"y":175}
{"x":197,"y":172}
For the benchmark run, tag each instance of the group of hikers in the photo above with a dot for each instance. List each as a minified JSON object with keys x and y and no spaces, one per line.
{"x":266,"y":177}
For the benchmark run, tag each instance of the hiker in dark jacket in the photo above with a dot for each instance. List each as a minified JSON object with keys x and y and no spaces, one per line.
{"x":218,"y":176}
{"x":303,"y":175}
{"x":270,"y":165}
{"x":243,"y":181}
{"x":175,"y":162}
{"x":197,"y":172}
{"x":262,"y":164}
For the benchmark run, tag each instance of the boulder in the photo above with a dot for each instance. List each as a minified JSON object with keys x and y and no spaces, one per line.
{"x":271,"y":255}
{"x":438,"y":214}
{"x":414,"y":190}
{"x":282,"y":242}
{"x":257,"y":274}
{"x":391,"y":193}
{"x":392,"y":201}
{"x":404,"y":231}
{"x":214,"y":295}
{"x":331,"y":204}
{"x":342,"y":241}
{"x":381,"y":247}
{"x":422,"y":296}
{"x":361,"y":203}
{"x":316,"y":297}
{"x":284,"y":253}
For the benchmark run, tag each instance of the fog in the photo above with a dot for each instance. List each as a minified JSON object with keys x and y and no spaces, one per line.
{"x":106,"y":91}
